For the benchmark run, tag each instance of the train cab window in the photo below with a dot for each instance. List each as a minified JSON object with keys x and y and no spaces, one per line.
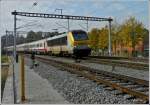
{"x":80,"y":35}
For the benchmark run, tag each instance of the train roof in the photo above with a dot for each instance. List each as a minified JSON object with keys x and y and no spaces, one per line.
{"x":19,"y":45}
{"x":77,"y":31}
{"x":58,"y":36}
{"x":38,"y":41}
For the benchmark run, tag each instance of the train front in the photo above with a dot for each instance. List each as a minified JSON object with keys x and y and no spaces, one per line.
{"x":80,"y":43}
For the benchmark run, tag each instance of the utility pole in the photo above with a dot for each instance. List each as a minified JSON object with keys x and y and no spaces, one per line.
{"x":14,"y":86}
{"x":109,"y":37}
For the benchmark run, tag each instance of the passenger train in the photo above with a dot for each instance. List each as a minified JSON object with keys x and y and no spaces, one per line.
{"x":74,"y":43}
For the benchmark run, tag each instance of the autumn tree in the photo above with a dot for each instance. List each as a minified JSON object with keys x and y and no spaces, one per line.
{"x":103,"y":39}
{"x":125,"y":35}
{"x":131,"y":32}
{"x":115,"y":36}
{"x":94,"y":38}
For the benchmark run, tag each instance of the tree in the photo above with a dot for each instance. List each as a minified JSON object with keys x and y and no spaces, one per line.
{"x":94,"y":38}
{"x":103,"y":39}
{"x":131,"y":32}
{"x":39,"y":35}
{"x":125,"y":36}
{"x":31,"y":36}
{"x":20,"y":39}
{"x":115,"y":30}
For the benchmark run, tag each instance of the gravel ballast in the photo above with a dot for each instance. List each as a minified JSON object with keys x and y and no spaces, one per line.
{"x":79,"y":90}
{"x":141,"y":74}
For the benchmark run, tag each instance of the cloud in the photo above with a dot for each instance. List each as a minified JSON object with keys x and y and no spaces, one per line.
{"x":101,"y":8}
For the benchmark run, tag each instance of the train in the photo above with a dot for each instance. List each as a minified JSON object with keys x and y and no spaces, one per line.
{"x":74,"y":42}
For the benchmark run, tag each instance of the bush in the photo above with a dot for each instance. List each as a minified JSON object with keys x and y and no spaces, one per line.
{"x":4,"y":59}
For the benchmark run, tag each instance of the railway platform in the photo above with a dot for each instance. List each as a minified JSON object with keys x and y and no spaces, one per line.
{"x":37,"y":89}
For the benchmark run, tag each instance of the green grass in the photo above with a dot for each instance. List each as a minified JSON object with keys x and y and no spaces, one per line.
{"x":4,"y":59}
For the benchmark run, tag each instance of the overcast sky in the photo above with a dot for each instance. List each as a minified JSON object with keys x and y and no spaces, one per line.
{"x":118,"y":9}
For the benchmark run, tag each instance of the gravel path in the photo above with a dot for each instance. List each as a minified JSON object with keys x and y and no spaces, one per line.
{"x":78,"y":90}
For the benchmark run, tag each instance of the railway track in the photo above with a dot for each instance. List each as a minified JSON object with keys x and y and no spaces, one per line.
{"x":119,"y":62}
{"x":136,"y":88}
{"x":146,"y":60}
{"x":128,"y":64}
{"x":134,"y":59}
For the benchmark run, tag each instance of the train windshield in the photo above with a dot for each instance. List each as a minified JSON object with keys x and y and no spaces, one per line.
{"x":80,"y":36}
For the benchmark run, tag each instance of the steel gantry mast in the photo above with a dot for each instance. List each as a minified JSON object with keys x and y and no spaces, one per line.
{"x":42,"y":15}
{"x":58,"y":16}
